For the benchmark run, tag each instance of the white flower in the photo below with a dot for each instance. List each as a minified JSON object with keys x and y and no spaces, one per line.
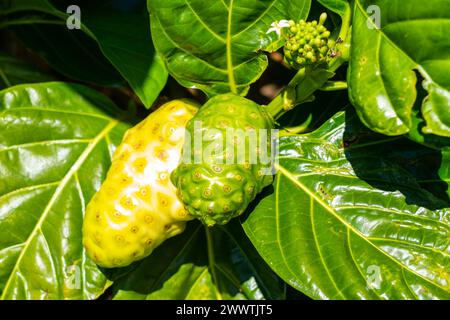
{"x":277,"y":26}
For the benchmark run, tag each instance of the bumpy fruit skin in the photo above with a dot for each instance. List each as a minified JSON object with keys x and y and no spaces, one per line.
{"x":137,"y":208}
{"x":220,"y":187}
{"x":307,"y":43}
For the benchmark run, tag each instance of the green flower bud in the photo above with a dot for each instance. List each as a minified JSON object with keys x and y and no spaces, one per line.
{"x":307,"y":43}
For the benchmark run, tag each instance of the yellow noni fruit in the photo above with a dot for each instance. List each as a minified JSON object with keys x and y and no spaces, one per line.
{"x":137,"y":208}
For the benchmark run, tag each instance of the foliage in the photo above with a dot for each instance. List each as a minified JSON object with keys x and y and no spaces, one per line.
{"x":360,"y":203}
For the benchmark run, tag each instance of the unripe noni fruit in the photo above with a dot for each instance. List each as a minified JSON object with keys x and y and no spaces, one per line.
{"x":218,"y":178}
{"x":136,"y":208}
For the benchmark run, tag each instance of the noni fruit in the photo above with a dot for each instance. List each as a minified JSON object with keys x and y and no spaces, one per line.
{"x":222,"y":168}
{"x":137,"y":208}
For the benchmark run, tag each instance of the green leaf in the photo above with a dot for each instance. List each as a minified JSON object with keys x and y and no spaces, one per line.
{"x":337,"y":6}
{"x":436,"y":109}
{"x":56,"y":140}
{"x":123,"y":36}
{"x":13,"y":6}
{"x":444,"y":170}
{"x":70,"y":52}
{"x":217,"y":46}
{"x":350,"y":216}
{"x":15,"y":71}
{"x":382,"y":81}
{"x":218,"y":263}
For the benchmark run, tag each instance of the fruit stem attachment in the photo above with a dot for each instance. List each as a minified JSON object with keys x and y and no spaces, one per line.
{"x":286,"y":100}
{"x":300,"y":89}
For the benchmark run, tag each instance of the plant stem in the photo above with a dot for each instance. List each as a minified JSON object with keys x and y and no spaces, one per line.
{"x":285,"y":100}
{"x":301,"y":88}
{"x":346,"y":23}
{"x":289,"y":98}
{"x":334,"y":86}
{"x":298,"y":129}
{"x":211,"y":260}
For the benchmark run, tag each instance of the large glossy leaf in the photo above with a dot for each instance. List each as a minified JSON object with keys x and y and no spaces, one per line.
{"x":56,"y":141}
{"x":413,"y":35}
{"x":70,"y":52}
{"x":15,"y":71}
{"x":351,"y":216}
{"x":221,"y":264}
{"x":123,"y":35}
{"x":217,"y":45}
{"x":124,"y":38}
{"x":338,"y":6}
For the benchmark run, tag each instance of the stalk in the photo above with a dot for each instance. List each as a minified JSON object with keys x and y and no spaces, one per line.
{"x":309,"y":79}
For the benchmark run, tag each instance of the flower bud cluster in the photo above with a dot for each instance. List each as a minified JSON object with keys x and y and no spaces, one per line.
{"x":307,"y":43}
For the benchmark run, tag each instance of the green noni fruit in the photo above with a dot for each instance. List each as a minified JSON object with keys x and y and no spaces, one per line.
{"x":225,"y":159}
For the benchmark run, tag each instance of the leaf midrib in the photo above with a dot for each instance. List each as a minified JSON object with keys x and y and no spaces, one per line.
{"x":44,"y":143}
{"x":277,"y":224}
{"x":375,"y":27}
{"x":350,"y":176}
{"x":230,"y":70}
{"x":84,"y":114}
{"x":197,"y":280}
{"x":206,"y":63}
{"x":392,"y":43}
{"x":203,"y":23}
{"x":406,"y":243}
{"x":319,"y":250}
{"x":75,"y":167}
{"x":358,"y":267}
{"x":83,"y":251}
{"x":28,"y":188}
{"x":251,"y":25}
{"x":386,"y":210}
{"x":417,"y":20}
{"x":289,"y":176}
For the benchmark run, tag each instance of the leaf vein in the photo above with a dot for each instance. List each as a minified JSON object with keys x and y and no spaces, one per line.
{"x":55,"y":196}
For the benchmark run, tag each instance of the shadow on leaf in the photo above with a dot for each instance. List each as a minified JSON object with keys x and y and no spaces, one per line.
{"x":396,"y":164}
{"x":186,"y":267}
